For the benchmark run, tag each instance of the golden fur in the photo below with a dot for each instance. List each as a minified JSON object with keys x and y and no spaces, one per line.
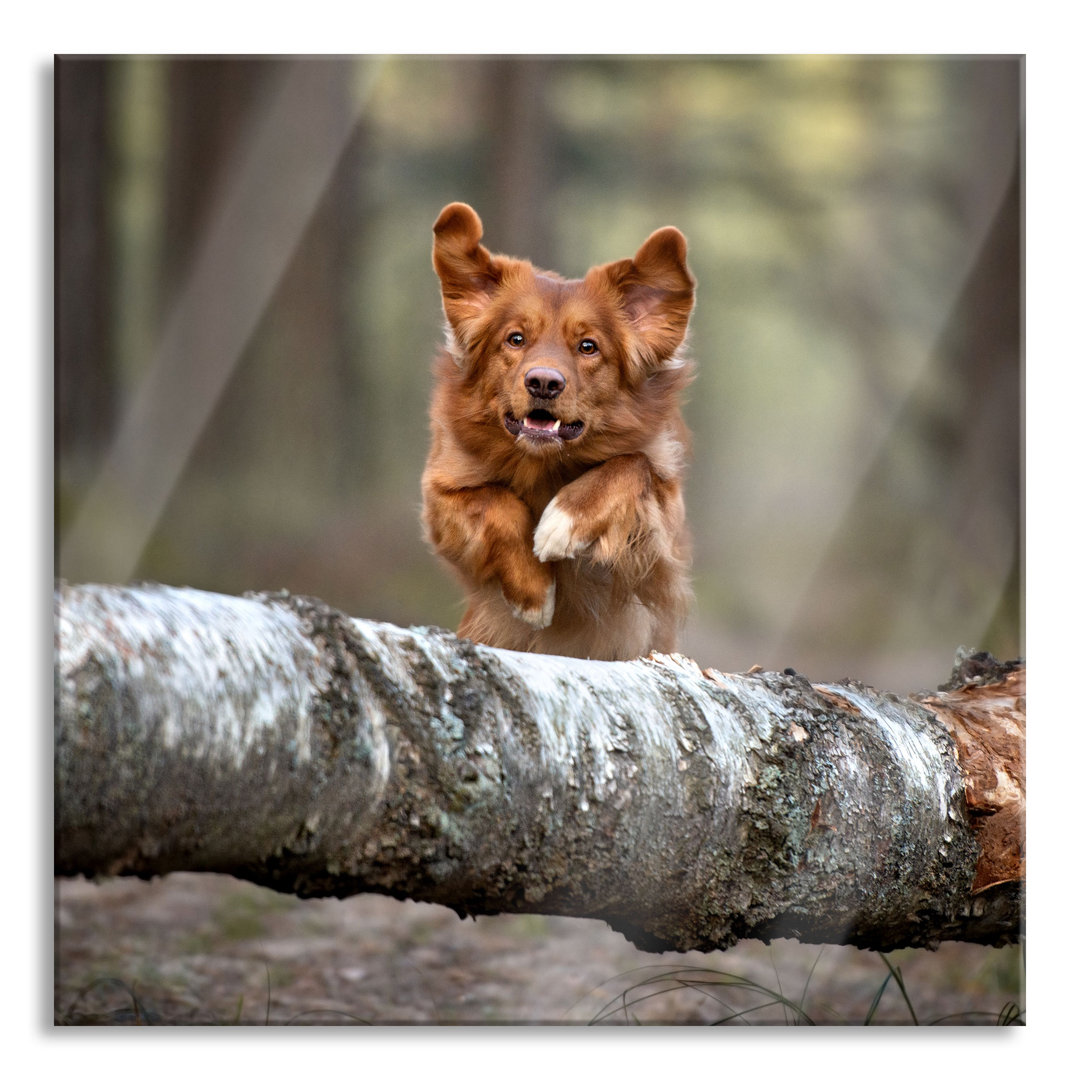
{"x":553,"y":485}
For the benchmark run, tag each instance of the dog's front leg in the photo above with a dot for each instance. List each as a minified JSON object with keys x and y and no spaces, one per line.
{"x":486,"y":533}
{"x":620,"y":510}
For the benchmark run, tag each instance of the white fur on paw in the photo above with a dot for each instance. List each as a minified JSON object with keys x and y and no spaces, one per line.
{"x":538,"y":618}
{"x":554,"y":536}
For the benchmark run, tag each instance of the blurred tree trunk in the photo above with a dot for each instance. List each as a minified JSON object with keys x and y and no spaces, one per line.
{"x":248,"y":165}
{"x":213,"y":104}
{"x":315,"y":314}
{"x":213,"y":107}
{"x":520,"y":151}
{"x":277,"y":740}
{"x":981,"y":444}
{"x":85,"y":371}
{"x":978,"y":441}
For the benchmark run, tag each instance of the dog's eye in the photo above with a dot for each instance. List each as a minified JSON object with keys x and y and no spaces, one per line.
{"x":515,"y":340}
{"x":587,"y":346}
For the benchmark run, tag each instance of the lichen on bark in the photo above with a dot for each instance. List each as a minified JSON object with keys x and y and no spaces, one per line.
{"x":281,"y":741}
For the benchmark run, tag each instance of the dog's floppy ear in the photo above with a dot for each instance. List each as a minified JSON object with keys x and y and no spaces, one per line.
{"x":656,"y":291}
{"x":468,"y":273}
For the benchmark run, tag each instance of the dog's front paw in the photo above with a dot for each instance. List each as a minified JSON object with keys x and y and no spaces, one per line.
{"x":538,"y":617}
{"x":554,"y":535}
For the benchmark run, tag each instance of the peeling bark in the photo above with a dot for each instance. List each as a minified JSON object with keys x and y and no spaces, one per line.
{"x":274,"y":739}
{"x":983,"y":706}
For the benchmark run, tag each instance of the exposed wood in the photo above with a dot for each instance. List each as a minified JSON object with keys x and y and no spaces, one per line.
{"x":984,"y":708}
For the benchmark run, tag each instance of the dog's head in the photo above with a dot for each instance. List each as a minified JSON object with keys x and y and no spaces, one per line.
{"x":556,"y":361}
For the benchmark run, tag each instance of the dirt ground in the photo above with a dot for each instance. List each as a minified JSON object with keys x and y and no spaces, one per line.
{"x":202,"y":949}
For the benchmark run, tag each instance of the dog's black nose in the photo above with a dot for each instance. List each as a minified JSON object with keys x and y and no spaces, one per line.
{"x":544,"y":382}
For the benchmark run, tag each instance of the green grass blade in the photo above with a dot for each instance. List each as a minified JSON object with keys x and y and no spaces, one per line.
{"x":896,"y":974}
{"x":877,"y":1000}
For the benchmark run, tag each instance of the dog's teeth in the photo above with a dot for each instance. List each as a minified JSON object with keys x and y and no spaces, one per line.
{"x":556,"y":427}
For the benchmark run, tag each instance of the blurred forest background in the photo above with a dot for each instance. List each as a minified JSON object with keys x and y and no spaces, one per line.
{"x":246,"y":317}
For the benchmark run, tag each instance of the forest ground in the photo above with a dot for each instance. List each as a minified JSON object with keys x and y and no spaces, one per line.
{"x":210,"y":950}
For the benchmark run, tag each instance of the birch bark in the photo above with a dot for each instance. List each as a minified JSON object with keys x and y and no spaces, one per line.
{"x":275,"y":739}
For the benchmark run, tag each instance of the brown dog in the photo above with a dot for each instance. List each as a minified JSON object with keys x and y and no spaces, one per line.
{"x":554,"y":481}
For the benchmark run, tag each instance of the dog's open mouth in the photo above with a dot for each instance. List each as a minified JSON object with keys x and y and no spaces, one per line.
{"x":542,"y":426}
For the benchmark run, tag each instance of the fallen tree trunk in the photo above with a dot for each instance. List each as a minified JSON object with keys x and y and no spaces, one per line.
{"x":274,"y":739}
